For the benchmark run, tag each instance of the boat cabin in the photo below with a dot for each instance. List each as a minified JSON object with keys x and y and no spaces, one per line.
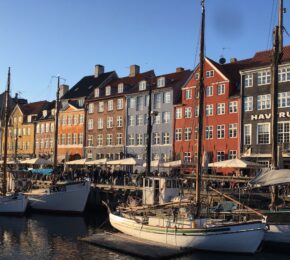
{"x":159,"y":190}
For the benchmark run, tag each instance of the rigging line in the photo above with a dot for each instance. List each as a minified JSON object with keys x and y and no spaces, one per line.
{"x":273,"y":12}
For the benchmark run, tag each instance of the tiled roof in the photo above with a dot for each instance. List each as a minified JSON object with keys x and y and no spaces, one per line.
{"x":33,"y":108}
{"x":86,"y":86}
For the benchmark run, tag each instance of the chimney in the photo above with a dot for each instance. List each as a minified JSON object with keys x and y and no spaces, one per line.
{"x":233,"y":60}
{"x":99,"y":69}
{"x":62,"y":90}
{"x":179,"y":69}
{"x":134,"y":70}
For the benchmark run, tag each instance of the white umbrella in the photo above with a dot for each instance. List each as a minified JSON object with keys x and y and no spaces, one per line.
{"x":171,"y":164}
{"x":154,"y":163}
{"x":97,"y":162}
{"x":271,"y":177}
{"x":38,"y":161}
{"x":235,"y":163}
{"x":126,"y":161}
{"x":77,"y":162}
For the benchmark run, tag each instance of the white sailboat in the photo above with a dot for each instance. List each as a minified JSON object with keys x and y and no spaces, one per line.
{"x":66,"y":198}
{"x":189,"y":230}
{"x":15,"y":203}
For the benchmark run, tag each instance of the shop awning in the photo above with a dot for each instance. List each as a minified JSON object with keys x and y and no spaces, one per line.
{"x":235,"y":163}
{"x":38,"y":161}
{"x":171,"y":164}
{"x":126,"y":161}
{"x":77,"y":162}
{"x":97,"y":162}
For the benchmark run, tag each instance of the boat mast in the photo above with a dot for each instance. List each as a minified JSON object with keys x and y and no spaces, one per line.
{"x":6,"y":118}
{"x":149,"y":131}
{"x":200,"y":116}
{"x":56,"y":124}
{"x":277,"y":53}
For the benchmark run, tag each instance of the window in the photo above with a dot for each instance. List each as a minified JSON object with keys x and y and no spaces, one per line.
{"x":109,"y":139}
{"x":90,"y":124}
{"x":196,"y":133}
{"x":139,"y":103}
{"x":139,"y":119}
{"x":187,"y":157}
{"x":81,"y":119}
{"x":248,"y":80}
{"x":90,"y":140}
{"x":166,"y":138}
{"x":119,"y":103}
{"x":24,"y":130}
{"x":109,"y":122}
{"x":68,"y":139}
{"x":209,"y":91}
{"x":208,"y":132}
{"x":63,"y":139}
{"x":97,"y":92}
{"x":157,"y":119}
{"x":248,"y":104}
{"x":264,"y":102}
{"x":264,"y":77}
{"x":63,"y":120}
{"x":91,"y":108}
{"x":209,"y":110}
{"x":74,"y":140}
{"x":110,"y":105}
{"x":220,"y":109}
{"x":131,"y":120}
{"x":161,"y":82}
{"x":263,"y":133}
{"x":284,"y":74}
{"x":220,"y":156}
{"x":178,"y":134}
{"x":108,"y":90}
{"x":209,"y":73}
{"x":233,"y":130}
{"x":188,"y":94}
{"x":75,"y":119}
{"x":284,"y":133}
{"x":81,"y":138}
{"x":196,"y":76}
{"x":167,"y":97}
{"x":69,"y":120}
{"x":139,"y":139}
{"x":196,"y":111}
{"x":37,"y":129}
{"x":220,"y":131}
{"x":131,"y":102}
{"x":284,"y":99}
{"x":120,"y":88}
{"x":187,"y":112}
{"x":119,"y":121}
{"x":119,"y":139}
{"x":142,"y":85}
{"x":46,"y":128}
{"x":178,"y":113}
{"x":221,"y":89}
{"x":100,"y":123}
{"x":166,"y":117}
{"x":247,"y":134}
{"x":187,"y":134}
{"x":101,"y":106}
{"x":156,"y":138}
{"x":99,"y":139}
{"x":157,"y":100}
{"x":233,"y":107}
{"x":131,"y":139}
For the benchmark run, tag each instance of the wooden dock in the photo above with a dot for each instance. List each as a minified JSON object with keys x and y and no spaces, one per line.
{"x":145,"y":249}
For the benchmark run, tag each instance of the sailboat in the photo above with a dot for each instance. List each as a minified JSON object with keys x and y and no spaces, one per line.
{"x":70,"y":197}
{"x":185,"y":228}
{"x":13,"y":203}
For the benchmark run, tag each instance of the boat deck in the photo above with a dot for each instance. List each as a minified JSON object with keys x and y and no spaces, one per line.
{"x":145,"y":249}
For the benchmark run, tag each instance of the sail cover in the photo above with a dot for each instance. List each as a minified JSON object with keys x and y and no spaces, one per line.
{"x":271,"y":177}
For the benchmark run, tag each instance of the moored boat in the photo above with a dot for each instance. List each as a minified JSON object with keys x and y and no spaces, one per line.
{"x":13,"y":204}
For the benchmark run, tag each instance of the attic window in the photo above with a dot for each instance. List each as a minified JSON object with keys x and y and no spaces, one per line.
{"x":196,"y":76}
{"x":44,"y":113}
{"x":97,"y":92}
{"x":209,"y":73}
{"x":161,"y":82}
{"x":108,"y":90}
{"x":120,"y":88}
{"x":29,"y":119}
{"x":76,"y":89}
{"x":142,"y":85}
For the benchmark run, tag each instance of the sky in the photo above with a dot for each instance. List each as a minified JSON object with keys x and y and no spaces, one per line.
{"x":41,"y":39}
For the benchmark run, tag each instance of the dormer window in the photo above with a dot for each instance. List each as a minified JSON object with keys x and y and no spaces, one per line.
{"x":53,"y":111}
{"x":44,"y":113}
{"x":161,"y":82}
{"x":142,"y":85}
{"x":196,"y":76}
{"x":29,"y":118}
{"x":209,"y":73}
{"x":97,"y":92}
{"x":108,"y":90}
{"x":81,"y":102}
{"x":120,"y":88}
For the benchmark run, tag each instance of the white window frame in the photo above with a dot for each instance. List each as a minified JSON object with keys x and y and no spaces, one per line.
{"x":220,"y":131}
{"x":264,"y":102}
{"x":248,"y":80}
{"x":161,"y":82}
{"x":108,"y":90}
{"x":233,"y":130}
{"x":120,"y":88}
{"x":221,"y":109}
{"x":187,"y":112}
{"x":247,"y":136}
{"x":142,"y":85}
{"x":209,"y":73}
{"x":209,"y":110}
{"x":221,"y":89}
{"x":119,"y":103}
{"x":264,"y":77}
{"x":269,"y":134}
{"x":178,"y":113}
{"x":178,"y":134}
{"x":188,"y":94}
{"x":91,"y":108}
{"x":233,"y":107}
{"x":209,"y":91}
{"x":110,"y":105}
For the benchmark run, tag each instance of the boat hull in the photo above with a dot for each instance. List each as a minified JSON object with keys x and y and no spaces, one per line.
{"x":238,"y":238}
{"x":13,"y":204}
{"x":278,"y":234}
{"x":72,"y":199}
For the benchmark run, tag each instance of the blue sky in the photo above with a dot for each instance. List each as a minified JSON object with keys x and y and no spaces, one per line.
{"x":43,"y":38}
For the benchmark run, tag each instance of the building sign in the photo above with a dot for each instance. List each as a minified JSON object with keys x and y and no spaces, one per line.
{"x":268,"y":116}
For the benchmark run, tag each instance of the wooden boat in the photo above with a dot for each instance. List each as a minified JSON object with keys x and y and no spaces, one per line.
{"x":15,"y":203}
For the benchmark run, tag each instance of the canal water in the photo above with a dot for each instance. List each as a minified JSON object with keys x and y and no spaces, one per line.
{"x":39,"y":236}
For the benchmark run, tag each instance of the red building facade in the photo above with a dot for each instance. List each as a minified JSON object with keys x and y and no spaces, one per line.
{"x":221,"y":118}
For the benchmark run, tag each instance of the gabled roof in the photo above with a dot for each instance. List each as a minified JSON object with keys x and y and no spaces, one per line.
{"x":33,"y":108}
{"x":87,"y":85}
